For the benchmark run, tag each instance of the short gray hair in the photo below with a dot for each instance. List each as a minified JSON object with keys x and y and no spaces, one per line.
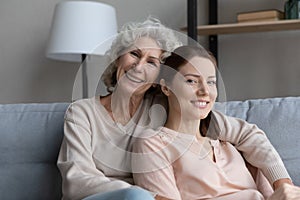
{"x":129,"y":33}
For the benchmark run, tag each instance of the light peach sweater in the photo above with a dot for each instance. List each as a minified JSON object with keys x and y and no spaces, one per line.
{"x":178,"y":166}
{"x":95,"y":155}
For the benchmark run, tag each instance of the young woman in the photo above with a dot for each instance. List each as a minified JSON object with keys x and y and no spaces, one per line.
{"x":179,"y":160}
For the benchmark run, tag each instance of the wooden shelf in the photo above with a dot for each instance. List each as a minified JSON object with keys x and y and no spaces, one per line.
{"x":248,"y":27}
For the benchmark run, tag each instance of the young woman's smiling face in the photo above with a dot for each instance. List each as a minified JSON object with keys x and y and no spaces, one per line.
{"x":139,"y":67}
{"x":194,"y":90}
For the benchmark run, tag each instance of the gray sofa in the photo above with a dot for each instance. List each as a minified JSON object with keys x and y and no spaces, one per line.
{"x":31,"y":134}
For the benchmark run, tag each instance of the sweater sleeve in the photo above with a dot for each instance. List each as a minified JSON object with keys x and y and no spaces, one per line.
{"x":152,"y":169}
{"x":254,"y":145}
{"x":80,"y":176}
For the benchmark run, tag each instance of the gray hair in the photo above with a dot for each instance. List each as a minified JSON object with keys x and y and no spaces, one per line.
{"x":129,"y":33}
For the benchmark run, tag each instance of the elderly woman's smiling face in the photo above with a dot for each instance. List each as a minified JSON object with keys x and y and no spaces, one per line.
{"x":139,"y":66}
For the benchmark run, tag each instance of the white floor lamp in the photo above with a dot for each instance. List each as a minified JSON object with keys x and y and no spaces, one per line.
{"x":78,"y":28}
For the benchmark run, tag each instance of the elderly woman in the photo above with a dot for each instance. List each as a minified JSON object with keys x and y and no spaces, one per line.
{"x":95,"y":156}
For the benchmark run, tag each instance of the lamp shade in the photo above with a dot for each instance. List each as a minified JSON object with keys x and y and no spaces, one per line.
{"x":80,"y":27}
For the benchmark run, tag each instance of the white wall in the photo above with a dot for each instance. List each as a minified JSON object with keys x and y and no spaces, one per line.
{"x":252,"y":65}
{"x":257,"y":65}
{"x":26,"y":75}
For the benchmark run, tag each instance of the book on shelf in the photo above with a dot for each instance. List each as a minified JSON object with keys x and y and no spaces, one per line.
{"x":262,"y":15}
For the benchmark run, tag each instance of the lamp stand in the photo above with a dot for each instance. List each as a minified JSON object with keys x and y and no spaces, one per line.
{"x":84,"y":76}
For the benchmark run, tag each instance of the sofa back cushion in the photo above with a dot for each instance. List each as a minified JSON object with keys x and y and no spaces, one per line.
{"x":30,"y":138}
{"x":280,"y":119}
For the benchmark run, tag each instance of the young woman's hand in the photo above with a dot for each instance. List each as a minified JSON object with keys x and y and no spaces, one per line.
{"x":286,"y":192}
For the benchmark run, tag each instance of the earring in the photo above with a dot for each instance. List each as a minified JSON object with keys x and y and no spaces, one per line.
{"x":111,"y":89}
{"x":165,"y":90}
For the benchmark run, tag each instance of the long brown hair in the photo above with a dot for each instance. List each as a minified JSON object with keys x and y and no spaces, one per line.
{"x":179,"y":57}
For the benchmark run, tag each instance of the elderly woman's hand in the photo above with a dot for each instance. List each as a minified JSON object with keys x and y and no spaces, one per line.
{"x":157,"y":197}
{"x":286,"y":192}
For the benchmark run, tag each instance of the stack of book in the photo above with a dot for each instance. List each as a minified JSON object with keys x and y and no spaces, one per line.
{"x":260,"y":16}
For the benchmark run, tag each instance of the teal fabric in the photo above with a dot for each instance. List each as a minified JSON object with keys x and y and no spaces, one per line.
{"x":133,"y":193}
{"x":31,"y":135}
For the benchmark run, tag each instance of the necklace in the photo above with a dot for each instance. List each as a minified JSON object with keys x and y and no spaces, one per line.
{"x":206,"y":149}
